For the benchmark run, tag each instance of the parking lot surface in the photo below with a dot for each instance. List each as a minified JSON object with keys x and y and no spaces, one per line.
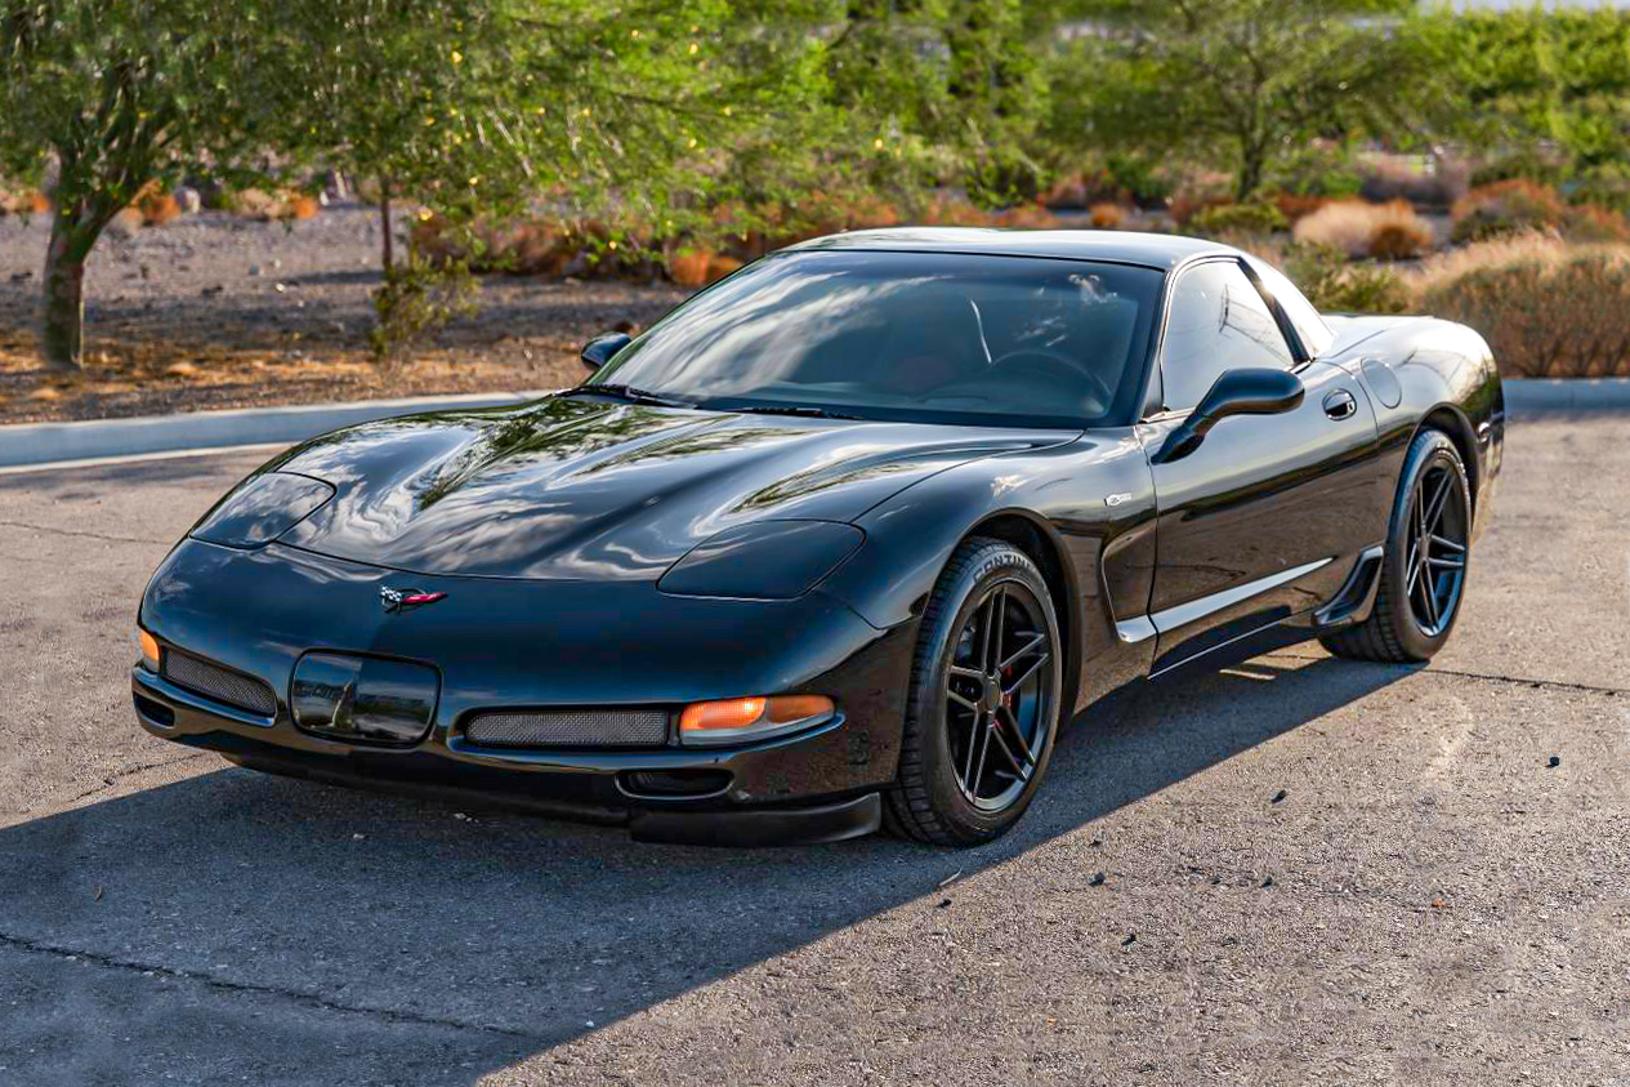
{"x":1431,"y":900}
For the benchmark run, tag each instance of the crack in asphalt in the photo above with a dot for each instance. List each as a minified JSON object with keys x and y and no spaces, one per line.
{"x":53,"y":530}
{"x":1493,"y":677}
{"x":306,"y":999}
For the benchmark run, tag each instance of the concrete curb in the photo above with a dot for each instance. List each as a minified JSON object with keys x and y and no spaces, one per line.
{"x":50,"y":443}
{"x":1539,"y":396}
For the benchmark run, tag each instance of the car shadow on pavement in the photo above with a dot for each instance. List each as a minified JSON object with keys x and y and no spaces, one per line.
{"x":312,"y":924}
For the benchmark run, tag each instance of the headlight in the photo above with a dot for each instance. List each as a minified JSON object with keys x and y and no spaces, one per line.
{"x":767,"y":560}
{"x":742,"y":720}
{"x":262,"y":509}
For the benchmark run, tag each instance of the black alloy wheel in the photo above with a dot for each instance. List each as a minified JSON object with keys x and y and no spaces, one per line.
{"x":984,"y":705}
{"x":996,"y":695}
{"x":1427,"y":553}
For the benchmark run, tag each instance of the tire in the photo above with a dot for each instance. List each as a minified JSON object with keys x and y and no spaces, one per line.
{"x":1405,"y":626}
{"x":1013,"y":712}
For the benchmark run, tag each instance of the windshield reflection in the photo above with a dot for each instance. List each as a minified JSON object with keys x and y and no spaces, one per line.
{"x":933,"y":337}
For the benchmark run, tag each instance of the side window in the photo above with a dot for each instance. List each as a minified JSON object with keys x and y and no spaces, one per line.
{"x":1217,"y":321}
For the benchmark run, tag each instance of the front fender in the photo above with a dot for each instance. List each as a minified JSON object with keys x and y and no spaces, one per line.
{"x":1091,"y":500}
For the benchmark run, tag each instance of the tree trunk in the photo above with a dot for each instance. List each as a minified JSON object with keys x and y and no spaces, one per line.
{"x":1253,"y":161}
{"x":388,"y":254}
{"x":62,"y":338}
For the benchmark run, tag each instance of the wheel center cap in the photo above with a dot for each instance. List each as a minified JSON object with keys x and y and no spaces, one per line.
{"x":991,"y":697}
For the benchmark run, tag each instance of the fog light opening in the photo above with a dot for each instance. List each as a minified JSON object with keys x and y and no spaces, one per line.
{"x":674,"y":784}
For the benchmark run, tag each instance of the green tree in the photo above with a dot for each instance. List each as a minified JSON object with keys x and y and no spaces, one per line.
{"x":113,"y":96}
{"x":959,"y":82}
{"x":1547,"y":90}
{"x":479,"y":109}
{"x":1237,"y":83}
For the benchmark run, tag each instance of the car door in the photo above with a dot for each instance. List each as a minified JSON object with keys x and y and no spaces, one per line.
{"x":1267,"y":517}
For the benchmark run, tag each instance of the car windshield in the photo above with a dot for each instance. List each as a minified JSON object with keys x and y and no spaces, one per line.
{"x":930,"y":337}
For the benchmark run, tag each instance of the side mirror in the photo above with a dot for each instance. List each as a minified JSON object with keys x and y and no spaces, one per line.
{"x":1236,"y":392}
{"x":598,"y":351}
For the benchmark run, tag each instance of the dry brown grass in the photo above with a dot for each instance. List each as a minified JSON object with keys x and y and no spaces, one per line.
{"x":1390,"y":231}
{"x":1548,"y":309}
{"x":688,"y":267}
{"x":157,"y":208}
{"x":24,"y":202}
{"x":1298,"y":206}
{"x":1107,"y":216}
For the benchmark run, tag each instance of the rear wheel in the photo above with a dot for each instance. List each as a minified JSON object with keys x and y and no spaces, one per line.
{"x":1423,"y":574}
{"x":983,"y":707}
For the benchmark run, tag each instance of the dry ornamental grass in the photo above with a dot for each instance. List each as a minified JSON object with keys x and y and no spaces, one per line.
{"x":1390,"y":231}
{"x":1546,"y":308}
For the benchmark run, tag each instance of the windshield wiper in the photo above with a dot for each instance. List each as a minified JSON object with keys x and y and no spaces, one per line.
{"x":804,"y":410}
{"x":630,"y":394}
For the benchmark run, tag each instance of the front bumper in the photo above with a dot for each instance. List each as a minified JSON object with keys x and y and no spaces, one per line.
{"x":590,"y":786}
{"x":511,"y":645}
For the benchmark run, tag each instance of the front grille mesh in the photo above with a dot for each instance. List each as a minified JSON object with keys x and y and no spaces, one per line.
{"x":212,"y":681}
{"x":570,"y":728}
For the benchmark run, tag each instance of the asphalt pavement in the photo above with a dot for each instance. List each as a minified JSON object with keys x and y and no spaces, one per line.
{"x":1312,"y":871}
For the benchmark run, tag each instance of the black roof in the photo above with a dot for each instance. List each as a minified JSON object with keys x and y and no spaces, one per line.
{"x":1162,"y":251}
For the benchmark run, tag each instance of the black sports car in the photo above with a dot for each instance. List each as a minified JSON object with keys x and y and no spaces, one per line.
{"x":841,"y":541}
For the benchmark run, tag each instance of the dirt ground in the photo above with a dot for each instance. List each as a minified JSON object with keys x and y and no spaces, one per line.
{"x":218,"y":311}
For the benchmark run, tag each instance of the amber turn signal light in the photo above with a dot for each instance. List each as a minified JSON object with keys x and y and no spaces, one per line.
{"x":149,"y":648}
{"x":737,"y":720}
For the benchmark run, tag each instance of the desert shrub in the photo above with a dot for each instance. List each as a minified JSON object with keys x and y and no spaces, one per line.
{"x":1107,"y":216}
{"x":1549,"y":311}
{"x":1028,"y":217}
{"x":1122,"y":179}
{"x":156,"y":206}
{"x":1318,"y":170}
{"x":1437,"y":183}
{"x":23,"y":202}
{"x":1294,"y":206}
{"x":1186,"y":205}
{"x":721,"y":265}
{"x":1526,"y":164}
{"x":1390,"y":231}
{"x":1594,"y":223}
{"x":418,"y":297}
{"x":943,"y":212}
{"x":1252,"y":218}
{"x":1604,"y":186}
{"x":1336,"y":286}
{"x":525,"y":247}
{"x":688,"y":267}
{"x":1144,"y":179}
{"x":1507,"y":207}
{"x":278,"y":206}
{"x":1400,"y":241}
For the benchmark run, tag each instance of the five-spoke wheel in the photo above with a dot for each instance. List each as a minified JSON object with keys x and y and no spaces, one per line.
{"x":995,"y":693}
{"x":984,"y":702}
{"x":1423,"y":572}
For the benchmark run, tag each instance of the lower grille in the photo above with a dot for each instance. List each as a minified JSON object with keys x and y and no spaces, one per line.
{"x":570,"y":728}
{"x":222,"y":684}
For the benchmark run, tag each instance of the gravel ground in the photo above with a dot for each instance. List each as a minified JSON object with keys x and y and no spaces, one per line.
{"x":215,"y":310}
{"x":1430,"y":901}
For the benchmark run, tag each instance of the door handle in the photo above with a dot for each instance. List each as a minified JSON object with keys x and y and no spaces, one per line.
{"x":1340,"y":404}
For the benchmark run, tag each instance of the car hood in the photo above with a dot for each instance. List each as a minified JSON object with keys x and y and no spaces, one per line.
{"x":577,"y":488}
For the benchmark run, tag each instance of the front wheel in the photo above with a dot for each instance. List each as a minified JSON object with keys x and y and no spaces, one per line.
{"x":984,"y":703}
{"x":1423,"y":574}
